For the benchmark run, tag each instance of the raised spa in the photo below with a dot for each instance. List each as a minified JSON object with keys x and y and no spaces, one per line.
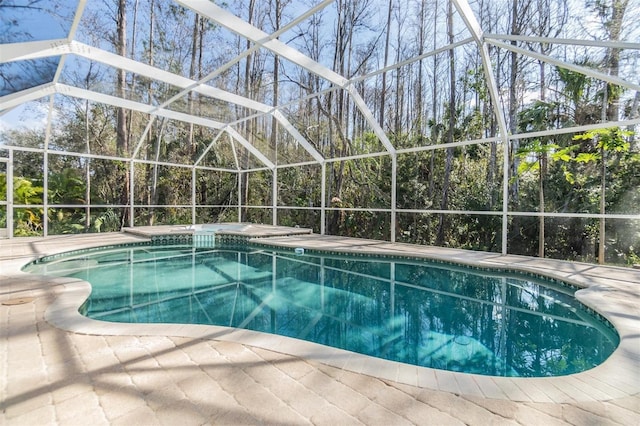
{"x":413,"y":311}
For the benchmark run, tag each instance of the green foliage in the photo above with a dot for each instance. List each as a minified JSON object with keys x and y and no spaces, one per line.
{"x":574,"y":183}
{"x":24,"y":191}
{"x":3,"y":186}
{"x":568,"y":169}
{"x":573,"y":172}
{"x":575,"y":83}
{"x":66,"y":187}
{"x":28,"y":221}
{"x":538,"y":116}
{"x":611,"y":139}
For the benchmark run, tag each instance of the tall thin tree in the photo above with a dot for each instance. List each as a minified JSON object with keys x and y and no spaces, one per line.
{"x":383,"y":88}
{"x":444,"y":202}
{"x":122,"y":137}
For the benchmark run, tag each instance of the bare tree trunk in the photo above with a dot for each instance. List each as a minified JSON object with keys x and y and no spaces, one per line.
{"x":434,"y":105}
{"x":618,"y":9}
{"x":611,"y":107}
{"x":399,"y":90}
{"x":276,"y":77}
{"x":121,"y":49}
{"x":444,"y":204}
{"x":122,"y":140}
{"x":492,"y":128}
{"x":336,"y":124}
{"x":132,"y":83}
{"x":203,"y":30}
{"x":513,"y":96}
{"x":420,"y":83}
{"x":248,"y":123}
{"x":87,"y":141}
{"x":150,"y":95}
{"x":154,"y":185}
{"x":192,"y":73}
{"x":383,"y":93}
{"x":151,"y":45}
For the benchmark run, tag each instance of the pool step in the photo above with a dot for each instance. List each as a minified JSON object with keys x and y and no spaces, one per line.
{"x":204,"y":239}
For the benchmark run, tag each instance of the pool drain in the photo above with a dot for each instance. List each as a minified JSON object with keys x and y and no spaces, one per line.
{"x":462,"y":340}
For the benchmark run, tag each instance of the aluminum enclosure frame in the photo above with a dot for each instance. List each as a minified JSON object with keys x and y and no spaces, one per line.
{"x":70,"y":47}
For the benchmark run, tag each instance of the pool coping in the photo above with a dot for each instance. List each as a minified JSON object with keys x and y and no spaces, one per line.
{"x":611,"y":291}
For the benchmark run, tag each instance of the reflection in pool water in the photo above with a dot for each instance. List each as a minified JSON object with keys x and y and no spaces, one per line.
{"x":412,"y":311}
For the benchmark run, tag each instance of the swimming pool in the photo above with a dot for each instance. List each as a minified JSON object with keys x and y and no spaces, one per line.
{"x":412,"y":311}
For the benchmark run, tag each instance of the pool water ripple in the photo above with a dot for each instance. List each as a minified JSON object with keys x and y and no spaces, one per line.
{"x":408,"y":310}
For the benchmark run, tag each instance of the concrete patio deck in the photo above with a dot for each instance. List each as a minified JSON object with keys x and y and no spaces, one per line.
{"x":57,"y":367}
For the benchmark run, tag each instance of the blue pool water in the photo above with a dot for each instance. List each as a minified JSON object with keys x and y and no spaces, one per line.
{"x":413,"y":311}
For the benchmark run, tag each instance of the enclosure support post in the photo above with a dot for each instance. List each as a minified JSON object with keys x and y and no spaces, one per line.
{"x":10,"y":195}
{"x":477,"y":33}
{"x":131,"y":192}
{"x":240,"y":196}
{"x":394,"y":180}
{"x":505,"y":194}
{"x":45,"y":170}
{"x":45,"y":193}
{"x":274,"y":197}
{"x":323,"y":198}
{"x":193,"y":196}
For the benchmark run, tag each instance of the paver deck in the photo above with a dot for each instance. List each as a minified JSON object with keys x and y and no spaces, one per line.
{"x":57,"y":367}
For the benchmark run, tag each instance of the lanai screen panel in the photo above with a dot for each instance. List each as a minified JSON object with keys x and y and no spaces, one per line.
{"x":417,"y":121}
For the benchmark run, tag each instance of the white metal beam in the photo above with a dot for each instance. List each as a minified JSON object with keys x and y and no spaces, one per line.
{"x":33,"y":50}
{"x":62,"y":47}
{"x":70,"y":36}
{"x":208,"y":148}
{"x":252,"y":149}
{"x":276,"y":34}
{"x":463,"y":8}
{"x":115,"y":158}
{"x":274,"y":201}
{"x":5,"y":111}
{"x":142,"y":137}
{"x":234,"y":151}
{"x":573,"y":67}
{"x":414,"y":59}
{"x":76,"y":19}
{"x":148,"y":71}
{"x":237,"y":25}
{"x":135,"y":106}
{"x":14,"y":99}
{"x":362,"y":106}
{"x":182,"y":82}
{"x":233,"y":23}
{"x":567,"y":41}
{"x":577,"y":129}
{"x":297,"y":136}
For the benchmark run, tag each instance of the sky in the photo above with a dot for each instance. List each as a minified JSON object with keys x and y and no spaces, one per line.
{"x":51,"y":19}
